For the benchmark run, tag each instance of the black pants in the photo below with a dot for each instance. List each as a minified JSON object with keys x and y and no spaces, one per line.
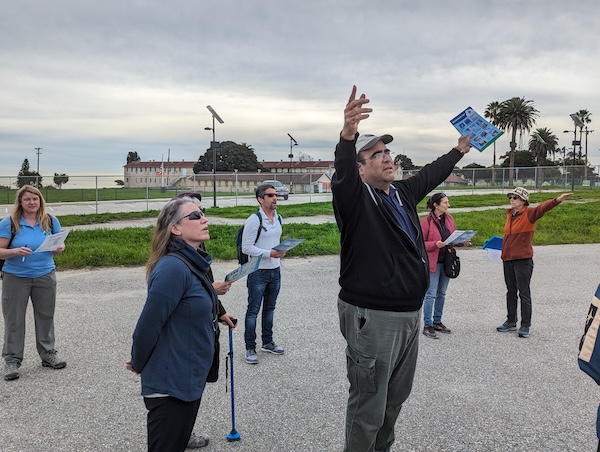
{"x":170,"y":423}
{"x":517,"y":276}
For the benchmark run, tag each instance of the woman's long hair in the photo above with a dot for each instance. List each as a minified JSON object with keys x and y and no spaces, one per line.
{"x":42,"y":217}
{"x":169,"y":216}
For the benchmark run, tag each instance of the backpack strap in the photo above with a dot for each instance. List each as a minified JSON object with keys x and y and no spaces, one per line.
{"x":13,"y":232}
{"x":261,"y":227}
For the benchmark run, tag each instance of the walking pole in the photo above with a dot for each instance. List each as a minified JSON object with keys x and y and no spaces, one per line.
{"x":233,"y":435}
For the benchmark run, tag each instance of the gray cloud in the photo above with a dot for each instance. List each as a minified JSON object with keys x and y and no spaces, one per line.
{"x":89,"y":82}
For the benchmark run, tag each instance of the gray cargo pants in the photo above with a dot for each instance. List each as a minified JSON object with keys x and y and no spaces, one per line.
{"x":381,"y":358}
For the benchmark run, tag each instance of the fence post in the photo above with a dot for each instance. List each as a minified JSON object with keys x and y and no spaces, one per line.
{"x":96,"y":194}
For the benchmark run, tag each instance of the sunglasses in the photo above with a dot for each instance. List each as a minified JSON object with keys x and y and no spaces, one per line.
{"x":196,"y":215}
{"x":513,"y":197}
{"x":270,"y":195}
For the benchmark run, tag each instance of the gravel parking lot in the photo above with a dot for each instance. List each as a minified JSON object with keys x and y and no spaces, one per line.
{"x":475,"y":389}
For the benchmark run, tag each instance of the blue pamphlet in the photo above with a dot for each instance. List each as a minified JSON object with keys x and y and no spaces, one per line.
{"x":288,"y":244}
{"x":470,"y":122}
{"x":249,"y":267}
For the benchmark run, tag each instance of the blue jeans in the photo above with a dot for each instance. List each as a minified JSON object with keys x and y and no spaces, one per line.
{"x":263,"y":288}
{"x":435,"y":296}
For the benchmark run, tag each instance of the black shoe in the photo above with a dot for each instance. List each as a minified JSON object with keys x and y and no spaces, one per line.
{"x":440,"y":327}
{"x":11,"y":371}
{"x":430,"y":332}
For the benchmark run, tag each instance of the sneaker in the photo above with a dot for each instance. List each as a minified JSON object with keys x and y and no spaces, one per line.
{"x":507,"y":326}
{"x":430,"y":332}
{"x":251,"y":356}
{"x":441,"y":328}
{"x":11,"y":370}
{"x":272,"y":348}
{"x":197,"y":441}
{"x":524,"y":331}
{"x":53,"y":361}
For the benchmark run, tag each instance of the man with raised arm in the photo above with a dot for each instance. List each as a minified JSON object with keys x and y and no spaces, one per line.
{"x":384,"y":274}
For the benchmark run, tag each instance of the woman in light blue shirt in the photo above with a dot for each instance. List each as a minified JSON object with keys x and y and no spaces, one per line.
{"x":28,"y":275}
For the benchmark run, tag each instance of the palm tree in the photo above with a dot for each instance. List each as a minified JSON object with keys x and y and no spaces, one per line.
{"x":492,"y":113}
{"x":518,"y":115}
{"x":584,"y":115}
{"x":542,"y":143}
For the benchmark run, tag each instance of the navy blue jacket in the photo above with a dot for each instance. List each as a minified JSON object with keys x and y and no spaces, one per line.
{"x":173,"y":341}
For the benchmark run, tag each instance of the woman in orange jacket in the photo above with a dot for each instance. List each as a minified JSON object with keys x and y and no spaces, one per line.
{"x":517,"y":255}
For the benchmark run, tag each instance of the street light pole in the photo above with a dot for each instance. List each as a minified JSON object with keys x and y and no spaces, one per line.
{"x":214,"y":145}
{"x":291,"y":157}
{"x":587,"y":132}
{"x":577,"y":123}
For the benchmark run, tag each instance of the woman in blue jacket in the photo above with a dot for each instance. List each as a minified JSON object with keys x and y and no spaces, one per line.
{"x":174,"y":339}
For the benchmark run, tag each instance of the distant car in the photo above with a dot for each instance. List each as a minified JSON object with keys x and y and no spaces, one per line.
{"x":282,"y":190}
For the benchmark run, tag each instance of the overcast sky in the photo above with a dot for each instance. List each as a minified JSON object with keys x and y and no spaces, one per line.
{"x":90,"y":81}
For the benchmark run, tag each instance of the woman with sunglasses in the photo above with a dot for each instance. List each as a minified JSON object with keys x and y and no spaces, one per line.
{"x":436,"y":227}
{"x":517,"y":255}
{"x":174,"y":339}
{"x":198,"y":440}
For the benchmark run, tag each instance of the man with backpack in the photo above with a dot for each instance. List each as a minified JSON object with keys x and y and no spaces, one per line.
{"x":262,"y":232}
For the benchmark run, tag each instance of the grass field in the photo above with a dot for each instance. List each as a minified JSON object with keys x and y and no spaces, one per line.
{"x":574,"y":221}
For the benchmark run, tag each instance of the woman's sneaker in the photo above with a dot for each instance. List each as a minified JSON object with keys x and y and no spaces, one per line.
{"x":197,"y":441}
{"x":429,"y":331}
{"x":524,"y":331}
{"x":507,"y":326}
{"x":441,"y":328}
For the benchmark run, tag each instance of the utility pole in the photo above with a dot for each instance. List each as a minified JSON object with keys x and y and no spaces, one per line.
{"x":38,"y":159}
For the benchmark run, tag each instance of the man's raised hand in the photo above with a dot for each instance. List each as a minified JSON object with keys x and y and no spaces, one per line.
{"x":354,"y":113}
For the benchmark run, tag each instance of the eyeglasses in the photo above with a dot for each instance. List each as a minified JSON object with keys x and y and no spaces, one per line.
{"x":377,"y":155}
{"x":270,"y":195}
{"x":196,"y":215}
{"x":513,"y":197}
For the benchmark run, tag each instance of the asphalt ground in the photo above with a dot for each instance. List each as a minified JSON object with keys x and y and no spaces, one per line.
{"x":475,"y":389}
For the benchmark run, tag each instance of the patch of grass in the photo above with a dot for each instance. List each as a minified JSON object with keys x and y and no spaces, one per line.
{"x":569,"y":223}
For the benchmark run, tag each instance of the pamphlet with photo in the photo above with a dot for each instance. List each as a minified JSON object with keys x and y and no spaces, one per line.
{"x":470,"y":122}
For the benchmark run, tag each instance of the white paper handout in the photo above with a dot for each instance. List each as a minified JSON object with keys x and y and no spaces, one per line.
{"x":460,"y":237}
{"x":288,"y":244}
{"x":52,"y":242}
{"x":246,"y":269}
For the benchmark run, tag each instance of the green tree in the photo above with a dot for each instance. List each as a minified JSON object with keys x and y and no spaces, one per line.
{"x":492,"y":112}
{"x":521,"y":159}
{"x":518,"y":116}
{"x":585,"y":117}
{"x":542,"y":143}
{"x":27,"y":177}
{"x":133,"y":156}
{"x":404,"y":162}
{"x":60,"y":179}
{"x":479,"y":173}
{"x":230,"y":156}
